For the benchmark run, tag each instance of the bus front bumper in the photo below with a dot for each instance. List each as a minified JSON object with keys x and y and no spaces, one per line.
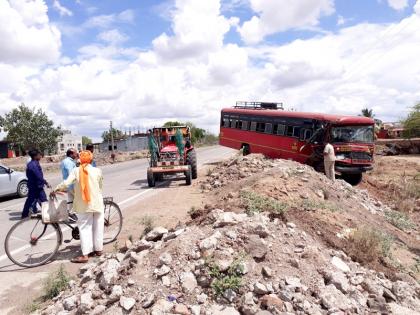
{"x":353,"y":169}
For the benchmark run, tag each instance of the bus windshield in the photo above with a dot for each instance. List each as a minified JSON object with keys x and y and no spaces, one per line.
{"x":352,"y":134}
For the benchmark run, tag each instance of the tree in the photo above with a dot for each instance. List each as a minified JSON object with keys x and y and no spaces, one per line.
{"x":118,"y":134}
{"x":86,"y":140}
{"x":412,"y":123}
{"x":30,"y":128}
{"x":367,"y":112}
{"x":197,"y":134}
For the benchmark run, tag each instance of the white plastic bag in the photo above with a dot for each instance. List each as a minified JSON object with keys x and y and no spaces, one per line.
{"x":54,"y":211}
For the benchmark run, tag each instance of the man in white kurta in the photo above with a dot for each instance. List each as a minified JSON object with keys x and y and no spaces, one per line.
{"x":329,"y":161}
{"x":88,"y":204}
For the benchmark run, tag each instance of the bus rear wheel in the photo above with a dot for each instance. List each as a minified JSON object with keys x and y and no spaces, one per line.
{"x":352,"y":179}
{"x":245,"y":149}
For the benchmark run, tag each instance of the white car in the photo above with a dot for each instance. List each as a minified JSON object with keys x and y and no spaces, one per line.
{"x":12,"y":182}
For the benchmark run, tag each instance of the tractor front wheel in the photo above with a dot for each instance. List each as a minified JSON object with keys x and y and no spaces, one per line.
{"x":151,"y":178}
{"x":188,"y":176}
{"x":192,"y":160}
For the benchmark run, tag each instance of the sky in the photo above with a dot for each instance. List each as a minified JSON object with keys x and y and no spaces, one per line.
{"x":141,"y":63}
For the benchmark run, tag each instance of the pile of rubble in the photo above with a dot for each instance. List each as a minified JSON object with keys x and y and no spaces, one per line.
{"x":233,"y":264}
{"x":237,"y":168}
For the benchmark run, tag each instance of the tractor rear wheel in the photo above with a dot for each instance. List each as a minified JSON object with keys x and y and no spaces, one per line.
{"x":192,"y":160}
{"x":188,"y":176}
{"x":151,"y":178}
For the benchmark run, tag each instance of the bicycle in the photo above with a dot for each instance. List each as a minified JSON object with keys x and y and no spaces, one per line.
{"x":31,"y":243}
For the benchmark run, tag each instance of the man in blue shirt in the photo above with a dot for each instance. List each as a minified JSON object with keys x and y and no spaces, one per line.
{"x":36,"y":183}
{"x":67,"y":165}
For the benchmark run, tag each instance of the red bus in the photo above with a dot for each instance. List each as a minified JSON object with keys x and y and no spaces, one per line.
{"x":266,"y":128}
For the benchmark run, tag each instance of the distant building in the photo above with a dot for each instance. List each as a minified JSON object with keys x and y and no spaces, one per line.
{"x":129,"y":144}
{"x":391,"y":130}
{"x":68,"y":141}
{"x":5,"y":152}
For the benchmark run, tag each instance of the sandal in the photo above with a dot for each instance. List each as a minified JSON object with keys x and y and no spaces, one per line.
{"x":98,"y":253}
{"x":80,"y":259}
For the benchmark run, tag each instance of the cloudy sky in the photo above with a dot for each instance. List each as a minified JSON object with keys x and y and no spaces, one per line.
{"x":140,"y":63}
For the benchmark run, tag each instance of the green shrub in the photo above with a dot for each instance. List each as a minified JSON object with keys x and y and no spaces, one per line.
{"x":58,"y":281}
{"x":148,"y":222}
{"x":399,"y":220}
{"x":368,"y":245}
{"x":230,"y":279}
{"x":255,"y":203}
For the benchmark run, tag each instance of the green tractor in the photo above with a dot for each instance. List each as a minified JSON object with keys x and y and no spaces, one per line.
{"x":171,"y":152}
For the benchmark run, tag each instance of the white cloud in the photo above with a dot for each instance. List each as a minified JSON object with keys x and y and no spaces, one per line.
{"x":26,"y":34}
{"x":275,"y":16}
{"x":398,"y":4}
{"x":105,"y":21}
{"x":198,"y":28}
{"x":113,"y":36}
{"x":62,"y":10}
{"x":363,"y":65}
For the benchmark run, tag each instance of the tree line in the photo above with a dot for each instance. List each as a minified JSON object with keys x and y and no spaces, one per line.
{"x":28,"y":128}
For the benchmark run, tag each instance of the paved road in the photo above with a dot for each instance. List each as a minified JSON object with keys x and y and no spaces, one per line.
{"x":126,"y":182}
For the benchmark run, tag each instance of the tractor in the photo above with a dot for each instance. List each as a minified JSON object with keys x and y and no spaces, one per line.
{"x":171,"y":152}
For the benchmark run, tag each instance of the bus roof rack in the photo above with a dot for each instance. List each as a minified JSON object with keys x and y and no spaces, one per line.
{"x":258,"y":105}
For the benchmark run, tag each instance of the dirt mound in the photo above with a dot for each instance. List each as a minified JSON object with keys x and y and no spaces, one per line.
{"x":233,"y":263}
{"x":275,"y":238}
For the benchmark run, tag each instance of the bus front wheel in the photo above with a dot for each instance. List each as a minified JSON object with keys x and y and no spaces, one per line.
{"x":352,"y":179}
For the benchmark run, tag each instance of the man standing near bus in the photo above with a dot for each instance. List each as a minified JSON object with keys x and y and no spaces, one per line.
{"x":329,"y":161}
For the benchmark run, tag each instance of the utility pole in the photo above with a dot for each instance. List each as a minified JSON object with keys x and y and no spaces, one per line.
{"x":112,"y":136}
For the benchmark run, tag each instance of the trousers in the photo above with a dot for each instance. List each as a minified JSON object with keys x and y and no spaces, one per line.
{"x":91,"y":228}
{"x":330,"y":169}
{"x":34,"y":197}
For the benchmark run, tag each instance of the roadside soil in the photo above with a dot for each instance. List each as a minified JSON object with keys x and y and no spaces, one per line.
{"x":320,"y":208}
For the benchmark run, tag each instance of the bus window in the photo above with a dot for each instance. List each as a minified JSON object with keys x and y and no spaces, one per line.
{"x":296,"y":131}
{"x":233,"y":123}
{"x":280,"y":130}
{"x":226,"y":122}
{"x":253,"y":126}
{"x":238,"y":124}
{"x":268,"y":128}
{"x":245,"y":125}
{"x":260,"y":127}
{"x":305,"y":134}
{"x":289,"y":131}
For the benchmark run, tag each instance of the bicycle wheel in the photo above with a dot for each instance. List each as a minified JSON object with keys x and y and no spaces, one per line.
{"x":113,"y":221}
{"x":31,"y":243}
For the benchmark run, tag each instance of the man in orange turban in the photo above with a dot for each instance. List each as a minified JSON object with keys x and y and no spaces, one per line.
{"x":88,"y":204}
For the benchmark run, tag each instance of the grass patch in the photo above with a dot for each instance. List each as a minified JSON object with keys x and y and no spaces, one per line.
{"x":32,"y":307}
{"x":369,"y":245}
{"x":399,"y":220}
{"x":230,"y":279}
{"x":148,"y":222}
{"x":313,"y":205}
{"x":57,"y":282}
{"x":255,"y":203}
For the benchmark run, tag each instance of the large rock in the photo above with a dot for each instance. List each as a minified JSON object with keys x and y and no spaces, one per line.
{"x":332,"y":298}
{"x":272,"y":303}
{"x":210,"y":242}
{"x":256,"y":247}
{"x":162,"y":271}
{"x":109,"y":272}
{"x":142,"y":245}
{"x":70,"y":303}
{"x":162,"y":307}
{"x":227,"y":218}
{"x":398,"y":309}
{"x":86,"y":302}
{"x":340,"y":264}
{"x":127,"y":303}
{"x":188,"y":282}
{"x":181,"y":309}
{"x":260,"y":289}
{"x":340,"y":281}
{"x":116,"y":293}
{"x":156,"y":234}
{"x":217,"y":309}
{"x":165,"y":259}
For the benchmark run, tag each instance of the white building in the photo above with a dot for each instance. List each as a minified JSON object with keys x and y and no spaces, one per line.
{"x":67,"y":141}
